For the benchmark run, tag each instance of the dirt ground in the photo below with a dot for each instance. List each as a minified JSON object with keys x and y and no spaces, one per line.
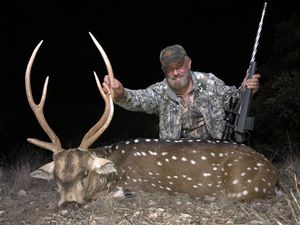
{"x":35,"y":202}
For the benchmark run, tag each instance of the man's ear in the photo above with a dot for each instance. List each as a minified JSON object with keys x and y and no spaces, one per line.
{"x":189,"y":63}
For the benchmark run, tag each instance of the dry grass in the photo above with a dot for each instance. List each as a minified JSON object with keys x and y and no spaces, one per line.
{"x":29,"y":201}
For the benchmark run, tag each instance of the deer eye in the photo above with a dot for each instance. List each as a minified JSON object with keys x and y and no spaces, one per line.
{"x":86,"y":173}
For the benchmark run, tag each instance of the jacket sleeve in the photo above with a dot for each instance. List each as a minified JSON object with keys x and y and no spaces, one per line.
{"x":223,"y":91}
{"x":142,"y":100}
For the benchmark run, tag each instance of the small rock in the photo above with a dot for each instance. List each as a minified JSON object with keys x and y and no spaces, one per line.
{"x":153,"y":216}
{"x":22,"y":193}
{"x":63,"y":212}
{"x":166,"y":215}
{"x":2,"y":212}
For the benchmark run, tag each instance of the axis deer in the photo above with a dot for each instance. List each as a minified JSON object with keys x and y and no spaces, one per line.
{"x":197,"y":168}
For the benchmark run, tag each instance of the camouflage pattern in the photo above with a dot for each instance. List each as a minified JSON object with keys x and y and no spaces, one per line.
{"x":211,"y":98}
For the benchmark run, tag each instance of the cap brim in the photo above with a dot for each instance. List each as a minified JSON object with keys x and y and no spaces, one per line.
{"x":177,"y":60}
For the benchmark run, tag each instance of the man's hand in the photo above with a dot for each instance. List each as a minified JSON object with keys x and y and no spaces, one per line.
{"x":116,"y":87}
{"x":252,"y":83}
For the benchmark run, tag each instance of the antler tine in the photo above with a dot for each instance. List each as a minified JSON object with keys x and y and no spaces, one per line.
{"x":93,"y":134}
{"x":106,"y":61}
{"x":55,"y":144}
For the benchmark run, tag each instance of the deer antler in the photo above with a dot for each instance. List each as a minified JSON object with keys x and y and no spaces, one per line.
{"x":55,"y":145}
{"x":92,"y":135}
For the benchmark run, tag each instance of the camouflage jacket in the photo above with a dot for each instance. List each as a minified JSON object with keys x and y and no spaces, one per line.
{"x":211,"y":97}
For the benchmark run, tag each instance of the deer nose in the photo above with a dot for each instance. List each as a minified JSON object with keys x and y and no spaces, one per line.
{"x":69,"y":205}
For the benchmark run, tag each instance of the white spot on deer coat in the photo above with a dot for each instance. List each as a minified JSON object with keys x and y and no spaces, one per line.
{"x":206,"y":174}
{"x":235,"y":181}
{"x":152,"y":153}
{"x":203,"y":158}
{"x":193,"y":162}
{"x":174,"y":157}
{"x":183,"y":159}
{"x":159,"y":163}
{"x":245,"y":192}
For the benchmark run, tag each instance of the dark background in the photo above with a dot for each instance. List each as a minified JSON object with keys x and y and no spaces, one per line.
{"x":218,"y":36}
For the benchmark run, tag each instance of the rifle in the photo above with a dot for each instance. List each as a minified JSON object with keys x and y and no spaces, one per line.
{"x":242,"y":122}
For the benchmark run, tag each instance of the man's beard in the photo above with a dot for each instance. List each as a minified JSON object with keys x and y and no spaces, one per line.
{"x":178,"y":86}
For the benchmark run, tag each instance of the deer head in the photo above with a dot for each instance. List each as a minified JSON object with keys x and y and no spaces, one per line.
{"x":78,"y":172}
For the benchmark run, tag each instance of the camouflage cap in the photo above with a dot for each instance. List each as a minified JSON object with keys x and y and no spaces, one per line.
{"x":174,"y":53}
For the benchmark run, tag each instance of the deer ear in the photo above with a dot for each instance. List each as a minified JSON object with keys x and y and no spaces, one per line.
{"x":103,"y":166}
{"x":45,"y":172}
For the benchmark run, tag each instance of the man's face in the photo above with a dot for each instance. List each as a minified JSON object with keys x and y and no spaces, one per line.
{"x":177,"y":75}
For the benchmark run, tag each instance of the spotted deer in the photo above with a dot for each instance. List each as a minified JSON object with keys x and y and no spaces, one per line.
{"x":191,"y":166}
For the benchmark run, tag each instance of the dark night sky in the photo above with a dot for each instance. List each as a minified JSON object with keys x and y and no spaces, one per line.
{"x":218,"y":35}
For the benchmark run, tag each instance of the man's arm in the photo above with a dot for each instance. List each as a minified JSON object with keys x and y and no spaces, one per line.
{"x":143,"y":100}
